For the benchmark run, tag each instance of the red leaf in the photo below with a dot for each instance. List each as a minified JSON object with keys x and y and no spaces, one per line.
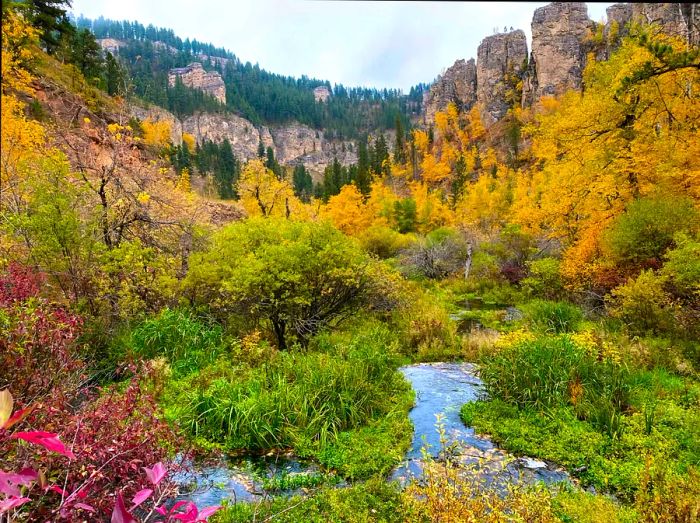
{"x":48,"y":440}
{"x":120,"y":514}
{"x":58,"y":489}
{"x":140,"y":497}
{"x":156,"y":474}
{"x":12,"y":503}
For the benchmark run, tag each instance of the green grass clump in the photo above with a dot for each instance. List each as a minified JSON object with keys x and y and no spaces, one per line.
{"x":553,"y":317}
{"x":322,"y":402}
{"x":373,"y":500}
{"x":187,"y":342}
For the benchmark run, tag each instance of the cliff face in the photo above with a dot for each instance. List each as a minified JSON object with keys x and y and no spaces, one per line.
{"x":560,"y":43}
{"x":457,"y":84}
{"x":293,"y":143}
{"x":558,"y":57}
{"x":501,"y":62}
{"x":196,"y":77}
{"x":157,"y":114}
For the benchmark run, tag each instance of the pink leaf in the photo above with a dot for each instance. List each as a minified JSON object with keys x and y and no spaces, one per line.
{"x":156,"y":474}
{"x":9,"y":481}
{"x":190,"y":516}
{"x":205,"y":513}
{"x":83,"y":506}
{"x":179,"y":504}
{"x":140,"y":497}
{"x":12,"y":503}
{"x":120,"y":514}
{"x":48,"y":440}
{"x":161,"y":510}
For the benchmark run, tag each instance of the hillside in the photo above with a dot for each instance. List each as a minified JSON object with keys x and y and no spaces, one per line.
{"x":490,"y":314}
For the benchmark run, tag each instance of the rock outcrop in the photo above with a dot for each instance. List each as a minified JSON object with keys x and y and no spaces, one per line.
{"x":196,"y":77}
{"x":322,"y":93}
{"x":456,"y":85}
{"x":292,"y":143}
{"x":559,"y":48}
{"x":242,"y":134}
{"x":501,"y":63}
{"x":677,"y":19}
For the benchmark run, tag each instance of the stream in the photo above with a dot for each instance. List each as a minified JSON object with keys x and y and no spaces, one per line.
{"x":441,"y":388}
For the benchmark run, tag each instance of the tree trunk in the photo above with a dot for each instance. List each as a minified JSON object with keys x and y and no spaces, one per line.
{"x":468,"y":261}
{"x":279,"y":327}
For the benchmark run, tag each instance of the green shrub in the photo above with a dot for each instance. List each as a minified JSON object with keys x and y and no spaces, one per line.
{"x":646,"y":230}
{"x":553,"y":316}
{"x":643,"y":304}
{"x":384,"y":242}
{"x":543,"y":279}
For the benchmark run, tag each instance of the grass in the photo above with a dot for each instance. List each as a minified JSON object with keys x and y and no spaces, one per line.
{"x":343,"y":402}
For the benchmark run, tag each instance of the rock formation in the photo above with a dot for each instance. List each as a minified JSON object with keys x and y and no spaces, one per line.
{"x":501,"y":62}
{"x":677,"y":19}
{"x":559,"y":48}
{"x":457,"y":84}
{"x":292,"y":143}
{"x":196,"y":77}
{"x":322,"y":93}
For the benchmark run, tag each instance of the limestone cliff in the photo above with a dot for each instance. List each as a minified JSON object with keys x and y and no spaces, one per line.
{"x":457,"y":84}
{"x":242,"y":134}
{"x":196,"y":77}
{"x":501,"y":63}
{"x":292,"y":143}
{"x":559,"y":48}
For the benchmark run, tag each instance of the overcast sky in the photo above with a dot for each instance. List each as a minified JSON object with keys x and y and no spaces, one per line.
{"x":375,"y":44}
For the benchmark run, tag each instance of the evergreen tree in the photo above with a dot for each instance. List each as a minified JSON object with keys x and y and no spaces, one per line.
{"x":363,"y":179}
{"x":86,"y":54}
{"x":303,"y":183}
{"x":400,"y":148}
{"x":49,"y":17}
{"x":115,"y":76}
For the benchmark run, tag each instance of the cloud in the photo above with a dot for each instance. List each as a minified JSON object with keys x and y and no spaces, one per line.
{"x":379,"y":44}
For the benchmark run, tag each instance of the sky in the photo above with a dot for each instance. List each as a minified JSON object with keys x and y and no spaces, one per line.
{"x":356,"y":43}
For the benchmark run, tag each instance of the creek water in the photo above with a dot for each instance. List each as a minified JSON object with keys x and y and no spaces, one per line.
{"x":441,"y":389}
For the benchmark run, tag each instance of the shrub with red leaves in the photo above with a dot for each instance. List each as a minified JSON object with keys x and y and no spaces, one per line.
{"x":37,"y":351}
{"x":109,"y":434}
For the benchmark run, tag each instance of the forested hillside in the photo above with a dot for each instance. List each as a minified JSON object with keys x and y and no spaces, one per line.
{"x":188,"y":335}
{"x":257,"y":95}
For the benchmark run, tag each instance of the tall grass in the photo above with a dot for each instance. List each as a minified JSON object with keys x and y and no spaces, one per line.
{"x":553,"y":317}
{"x":299,"y":399}
{"x":550,"y":372}
{"x":187,"y":342}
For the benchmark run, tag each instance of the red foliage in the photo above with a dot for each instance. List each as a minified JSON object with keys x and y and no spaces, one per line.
{"x":37,"y":352}
{"x":107,"y":436}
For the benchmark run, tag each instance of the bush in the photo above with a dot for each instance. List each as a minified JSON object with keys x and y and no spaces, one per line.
{"x":295,"y":278}
{"x":543,"y":279}
{"x":441,"y":253}
{"x":643,"y":304}
{"x":384,"y":242}
{"x":646,"y":230}
{"x":553,"y":316}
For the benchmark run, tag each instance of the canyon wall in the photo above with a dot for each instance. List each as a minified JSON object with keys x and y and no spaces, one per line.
{"x":505,"y":76}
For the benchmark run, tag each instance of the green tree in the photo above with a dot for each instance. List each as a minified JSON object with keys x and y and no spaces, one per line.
{"x":303,"y":183}
{"x":49,"y":16}
{"x":115,"y":76}
{"x":295,"y":277}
